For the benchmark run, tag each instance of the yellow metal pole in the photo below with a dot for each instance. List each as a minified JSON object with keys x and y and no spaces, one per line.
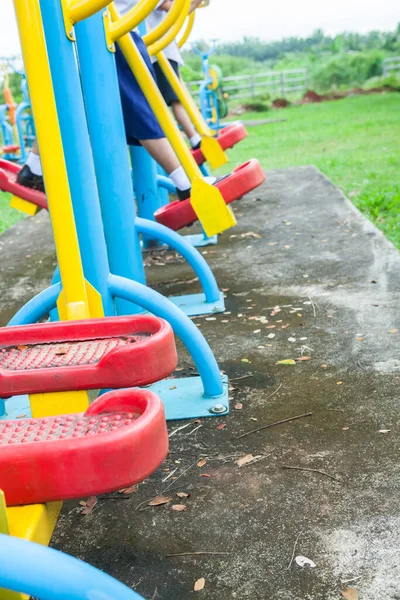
{"x":184,"y":96}
{"x":187,"y":31}
{"x":156,"y":33}
{"x":82,"y":9}
{"x":52,"y":155}
{"x":131,"y":19}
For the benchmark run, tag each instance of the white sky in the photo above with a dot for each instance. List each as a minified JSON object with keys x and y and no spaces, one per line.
{"x":271,"y":20}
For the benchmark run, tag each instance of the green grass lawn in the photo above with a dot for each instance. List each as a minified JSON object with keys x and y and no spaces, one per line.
{"x":355,"y":142}
{"x":8,"y":216}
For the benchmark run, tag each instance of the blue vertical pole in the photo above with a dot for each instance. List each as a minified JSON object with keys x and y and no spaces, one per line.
{"x":107,"y":134}
{"x":144,"y":177}
{"x":78,"y":156}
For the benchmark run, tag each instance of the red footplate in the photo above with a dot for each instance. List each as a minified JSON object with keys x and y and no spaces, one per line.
{"x":227,"y":138}
{"x":241,"y":181}
{"x":114,"y":352}
{"x":120,"y":440}
{"x":8,"y":183}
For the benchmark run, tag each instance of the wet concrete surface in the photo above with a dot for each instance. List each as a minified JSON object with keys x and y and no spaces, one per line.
{"x":306,"y":276}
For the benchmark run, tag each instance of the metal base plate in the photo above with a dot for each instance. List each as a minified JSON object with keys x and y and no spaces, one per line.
{"x":184,"y":398}
{"x":195,"y":304}
{"x":199,"y":240}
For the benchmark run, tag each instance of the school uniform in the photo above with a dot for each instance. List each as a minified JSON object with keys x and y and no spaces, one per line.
{"x":171,"y":52}
{"x":139,"y":119}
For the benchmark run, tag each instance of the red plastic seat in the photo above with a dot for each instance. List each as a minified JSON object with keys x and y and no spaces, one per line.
{"x":113,"y":352}
{"x":227,"y":138}
{"x":11,"y":149}
{"x":120,"y":440}
{"x":241,"y":181}
{"x":8,"y":183}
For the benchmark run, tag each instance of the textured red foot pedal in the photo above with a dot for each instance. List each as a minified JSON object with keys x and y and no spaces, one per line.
{"x":8,"y":183}
{"x":227,"y":138}
{"x":114,"y":352}
{"x":120,"y":440}
{"x":241,"y":181}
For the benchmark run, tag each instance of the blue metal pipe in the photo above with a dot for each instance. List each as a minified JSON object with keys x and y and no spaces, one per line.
{"x":144,"y":178}
{"x":184,"y":328}
{"x":38,"y":307}
{"x":165,"y":183}
{"x":77,"y":150}
{"x":107,"y":134}
{"x":48,"y":574}
{"x":189,"y":253}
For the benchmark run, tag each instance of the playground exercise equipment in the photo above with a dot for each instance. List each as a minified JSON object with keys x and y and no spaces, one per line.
{"x":213,"y":99}
{"x":48,"y":574}
{"x":16,"y":120}
{"x":109,"y":239}
{"x":122,"y":436}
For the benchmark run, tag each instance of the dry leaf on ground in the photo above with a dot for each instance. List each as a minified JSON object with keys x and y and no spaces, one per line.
{"x":183,"y":495}
{"x":287,"y":361}
{"x":89,"y":505}
{"x":244,"y":460}
{"x":179,"y":507}
{"x":350,"y":594}
{"x":238,"y":406}
{"x":159,"y":500}
{"x":199,"y":584}
{"x":302,"y":358}
{"x":202,"y":463}
{"x":221,"y":426}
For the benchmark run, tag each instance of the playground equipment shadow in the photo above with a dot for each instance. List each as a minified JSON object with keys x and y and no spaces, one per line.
{"x":328,"y":283}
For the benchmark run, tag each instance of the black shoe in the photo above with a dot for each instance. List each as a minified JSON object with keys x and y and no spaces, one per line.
{"x":28,"y":179}
{"x":197,"y":146}
{"x":185,"y":194}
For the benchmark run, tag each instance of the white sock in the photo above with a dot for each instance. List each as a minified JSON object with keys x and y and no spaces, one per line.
{"x":195,"y":139}
{"x":34,"y":163}
{"x":180,"y":179}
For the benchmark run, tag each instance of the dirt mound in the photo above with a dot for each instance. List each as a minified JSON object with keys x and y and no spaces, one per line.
{"x":280,"y":103}
{"x":311,"y":97}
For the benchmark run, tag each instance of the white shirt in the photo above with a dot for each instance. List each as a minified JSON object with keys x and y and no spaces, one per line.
{"x":154,"y":19}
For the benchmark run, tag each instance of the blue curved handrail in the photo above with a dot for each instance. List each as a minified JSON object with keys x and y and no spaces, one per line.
{"x":49,"y":574}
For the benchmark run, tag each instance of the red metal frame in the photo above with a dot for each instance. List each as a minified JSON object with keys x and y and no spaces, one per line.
{"x":133,"y":361}
{"x":120,"y":440}
{"x":227,"y":138}
{"x":241,"y":181}
{"x":8,"y":183}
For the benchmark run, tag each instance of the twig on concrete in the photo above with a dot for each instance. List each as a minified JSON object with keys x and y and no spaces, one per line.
{"x":242,"y":377}
{"x":196,"y":554}
{"x":193,"y":430}
{"x":174,"y":431}
{"x":312,"y":471}
{"x":169,"y":475}
{"x":294,"y":550}
{"x":313,"y":306}
{"x":350,"y":580}
{"x":273,"y":424}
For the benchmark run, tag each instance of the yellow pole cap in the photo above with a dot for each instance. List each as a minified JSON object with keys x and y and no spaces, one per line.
{"x":213,"y":152}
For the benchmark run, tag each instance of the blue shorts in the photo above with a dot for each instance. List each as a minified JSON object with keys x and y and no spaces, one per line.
{"x":140,"y":121}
